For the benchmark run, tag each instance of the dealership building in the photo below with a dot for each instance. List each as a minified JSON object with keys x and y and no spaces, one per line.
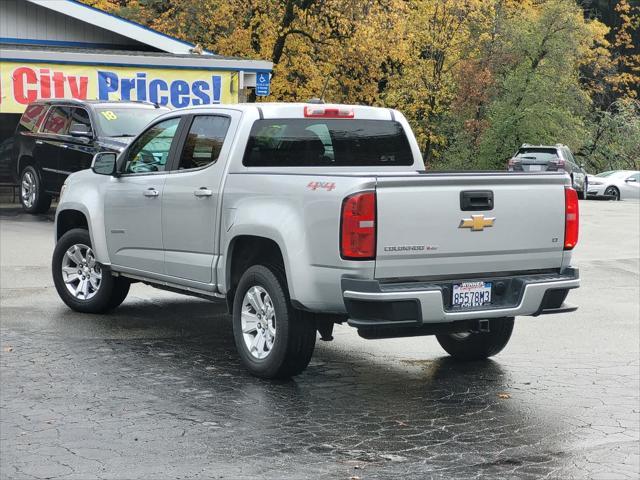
{"x":66,"y":49}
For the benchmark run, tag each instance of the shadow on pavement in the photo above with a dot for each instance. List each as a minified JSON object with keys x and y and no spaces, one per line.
{"x":176,"y":359}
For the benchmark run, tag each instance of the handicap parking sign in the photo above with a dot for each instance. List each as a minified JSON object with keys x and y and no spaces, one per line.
{"x":263,"y":84}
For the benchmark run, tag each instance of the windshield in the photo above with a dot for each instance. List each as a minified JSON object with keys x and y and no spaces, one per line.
{"x":125,"y":122}
{"x":323,"y":142}
{"x":606,"y":174}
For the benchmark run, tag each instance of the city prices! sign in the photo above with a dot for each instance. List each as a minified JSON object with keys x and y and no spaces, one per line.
{"x":23,"y":83}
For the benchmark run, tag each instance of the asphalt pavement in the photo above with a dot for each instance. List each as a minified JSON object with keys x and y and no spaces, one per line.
{"x":155,"y":389}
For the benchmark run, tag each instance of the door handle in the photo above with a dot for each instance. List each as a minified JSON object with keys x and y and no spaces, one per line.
{"x":203,"y":192}
{"x":64,"y":145}
{"x":39,"y":142}
{"x":150,"y":192}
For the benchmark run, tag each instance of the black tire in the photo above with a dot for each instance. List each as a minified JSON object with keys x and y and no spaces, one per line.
{"x":478,"y":345}
{"x":120,"y":291}
{"x":111,"y":291}
{"x":39,"y":201}
{"x":582,"y":194}
{"x":295,"y":336}
{"x":612,"y":191}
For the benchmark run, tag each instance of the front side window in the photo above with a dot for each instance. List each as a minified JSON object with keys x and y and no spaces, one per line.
{"x":150,"y":152}
{"x":81,"y":117}
{"x":57,"y":121}
{"x":204,"y":141}
{"x":327,"y":142}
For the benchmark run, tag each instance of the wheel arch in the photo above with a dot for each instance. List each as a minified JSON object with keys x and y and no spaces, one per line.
{"x":72,"y":215}
{"x":23,"y":162}
{"x":245,"y":250}
{"x":69,"y":219}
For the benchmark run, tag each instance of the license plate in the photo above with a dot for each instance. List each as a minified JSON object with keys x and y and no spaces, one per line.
{"x":471,"y":294}
{"x":535,"y":168}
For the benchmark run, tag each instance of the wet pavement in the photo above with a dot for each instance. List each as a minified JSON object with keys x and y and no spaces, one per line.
{"x":155,"y":389}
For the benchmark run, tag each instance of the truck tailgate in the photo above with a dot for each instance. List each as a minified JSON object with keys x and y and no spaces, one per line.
{"x":423,"y":231}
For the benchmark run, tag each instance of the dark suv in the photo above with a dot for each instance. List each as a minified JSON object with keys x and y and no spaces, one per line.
{"x":550,"y":158}
{"x":58,"y":137}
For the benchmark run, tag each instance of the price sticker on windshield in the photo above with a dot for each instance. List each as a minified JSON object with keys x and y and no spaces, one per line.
{"x":109,"y":115}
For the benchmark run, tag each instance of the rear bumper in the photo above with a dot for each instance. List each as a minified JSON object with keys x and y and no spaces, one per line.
{"x":370,"y":303}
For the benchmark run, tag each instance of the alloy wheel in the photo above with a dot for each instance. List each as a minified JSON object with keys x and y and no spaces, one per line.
{"x":612,"y":192}
{"x":81,"y":273}
{"x":258,"y":322}
{"x":28,"y":189}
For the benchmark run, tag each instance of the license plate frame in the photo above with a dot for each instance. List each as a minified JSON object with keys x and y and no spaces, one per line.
{"x":469,"y":295}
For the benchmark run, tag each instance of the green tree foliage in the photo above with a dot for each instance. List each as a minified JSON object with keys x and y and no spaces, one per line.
{"x":540,"y":99}
{"x":614,"y":141}
{"x":475,"y":78}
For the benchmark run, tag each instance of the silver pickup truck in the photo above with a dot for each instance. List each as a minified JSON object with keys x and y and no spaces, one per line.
{"x":300,"y":216}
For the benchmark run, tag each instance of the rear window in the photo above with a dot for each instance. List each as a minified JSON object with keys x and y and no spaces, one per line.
{"x":538,"y":153}
{"x":32,"y":117}
{"x":327,"y":142}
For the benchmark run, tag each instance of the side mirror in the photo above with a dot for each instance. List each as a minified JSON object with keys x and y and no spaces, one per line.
{"x":582,"y":166}
{"x":104,"y":163}
{"x":80,"y":130}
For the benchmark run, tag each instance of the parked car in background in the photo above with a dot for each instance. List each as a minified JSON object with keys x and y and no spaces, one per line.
{"x":615,"y":184}
{"x":550,"y":158}
{"x":58,"y":137}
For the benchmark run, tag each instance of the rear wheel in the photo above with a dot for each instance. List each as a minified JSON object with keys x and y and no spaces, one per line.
{"x":582,"y":194}
{"x":273,"y":339}
{"x":32,"y":195}
{"x":81,"y":282}
{"x":478,"y":345}
{"x":612,"y":192}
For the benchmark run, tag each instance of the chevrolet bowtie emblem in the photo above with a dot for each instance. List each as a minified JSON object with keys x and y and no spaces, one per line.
{"x":476,"y":222}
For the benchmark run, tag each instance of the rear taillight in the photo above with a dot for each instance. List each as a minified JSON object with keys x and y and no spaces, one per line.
{"x":358,"y":227}
{"x":511,"y":163}
{"x":572,"y":218}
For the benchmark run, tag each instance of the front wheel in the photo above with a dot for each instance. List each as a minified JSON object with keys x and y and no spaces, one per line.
{"x":478,"y":345}
{"x":81,"y":282}
{"x":272,"y":338}
{"x":613,"y":193}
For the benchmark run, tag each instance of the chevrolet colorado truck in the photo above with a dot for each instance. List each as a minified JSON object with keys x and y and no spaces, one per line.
{"x":300,"y":216}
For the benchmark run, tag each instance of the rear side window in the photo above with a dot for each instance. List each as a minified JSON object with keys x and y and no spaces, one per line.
{"x":327,"y":142}
{"x":57,"y":121}
{"x":538,"y":154}
{"x":32,"y":118}
{"x":204,"y":141}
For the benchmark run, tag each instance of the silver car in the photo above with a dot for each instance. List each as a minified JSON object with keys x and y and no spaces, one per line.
{"x":615,"y":184}
{"x":300,"y":216}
